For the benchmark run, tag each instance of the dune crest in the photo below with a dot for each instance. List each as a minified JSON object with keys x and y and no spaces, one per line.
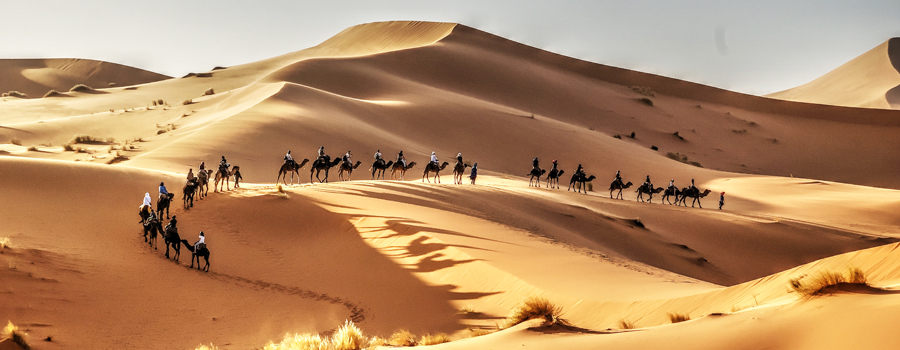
{"x":871,"y":80}
{"x":37,"y":76}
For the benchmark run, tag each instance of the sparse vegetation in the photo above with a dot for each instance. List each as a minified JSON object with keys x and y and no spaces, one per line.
{"x":131,"y":88}
{"x":160,"y":102}
{"x":82,"y":138}
{"x":218,"y":68}
{"x":625,"y":324}
{"x":535,"y":307}
{"x":632,"y":134}
{"x":682,"y":158}
{"x":68,"y":147}
{"x":15,"y":141}
{"x":644,"y":90}
{"x":817,"y":284}
{"x":32,"y":149}
{"x":676,"y":317}
{"x":654,"y":148}
{"x":646,"y":101}
{"x":434,"y":339}
{"x":347,"y":337}
{"x":209,"y":91}
{"x":81,"y":88}
{"x":207,"y":347}
{"x":4,"y":242}
{"x":52,"y":93}
{"x":187,"y":102}
{"x":678,"y":136}
{"x":742,"y":131}
{"x":12,"y":332}
{"x":637,"y":222}
{"x":402,"y":338}
{"x":617,"y":136}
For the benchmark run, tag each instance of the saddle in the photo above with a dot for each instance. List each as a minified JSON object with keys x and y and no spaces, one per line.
{"x":200,"y":246}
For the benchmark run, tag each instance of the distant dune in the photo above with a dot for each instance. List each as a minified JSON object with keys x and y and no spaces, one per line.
{"x":35,"y":77}
{"x":871,"y":80}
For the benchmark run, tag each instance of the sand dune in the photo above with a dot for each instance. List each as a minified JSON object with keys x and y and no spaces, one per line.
{"x":871,"y":80}
{"x":809,"y":188}
{"x":35,"y":77}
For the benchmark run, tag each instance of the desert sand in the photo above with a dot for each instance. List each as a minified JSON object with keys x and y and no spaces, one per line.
{"x":810,"y":188}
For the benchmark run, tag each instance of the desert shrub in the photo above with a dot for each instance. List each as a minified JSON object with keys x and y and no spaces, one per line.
{"x":348,"y":337}
{"x":82,"y":138}
{"x":625,"y":324}
{"x":4,"y":242}
{"x":534,"y":307}
{"x":632,"y":134}
{"x":111,"y":84}
{"x":646,"y":101}
{"x":153,"y":103}
{"x":12,"y":332}
{"x":209,"y":91}
{"x":617,"y":137}
{"x":654,"y":148}
{"x":203,"y":75}
{"x":187,"y":102}
{"x":15,"y":141}
{"x":160,"y":102}
{"x":68,"y":147}
{"x":52,"y":93}
{"x":637,"y":222}
{"x":81,"y":88}
{"x":33,"y":148}
{"x":434,"y":339}
{"x":678,"y":136}
{"x":81,"y":150}
{"x":16,"y":94}
{"x":643,"y":90}
{"x":300,"y":342}
{"x":402,"y":338}
{"x":676,"y":317}
{"x":131,"y":88}
{"x":682,"y":158}
{"x":218,"y":68}
{"x":816,"y":285}
{"x":161,"y":131}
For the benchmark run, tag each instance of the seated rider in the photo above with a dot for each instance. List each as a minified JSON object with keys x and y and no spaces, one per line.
{"x":202,"y":167}
{"x":347,"y":158}
{"x":401,"y":159}
{"x":145,"y":208}
{"x":459,"y":158}
{"x":554,"y":165}
{"x":322,"y":153}
{"x":618,"y":179}
{"x":190,"y":175}
{"x":579,"y":171}
{"x":289,"y":159}
{"x":692,"y":188}
{"x":378,"y":158}
{"x":648,"y":183}
{"x":434,"y":159}
{"x":223,"y":165}
{"x":534,"y":164}
{"x":172,"y":224}
{"x":671,"y":186}
{"x":202,"y":241}
{"x":163,"y":193}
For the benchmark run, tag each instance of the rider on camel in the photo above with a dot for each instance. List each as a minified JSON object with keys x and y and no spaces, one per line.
{"x":579,"y":171}
{"x":692,"y":187}
{"x":554,"y":165}
{"x":648,"y":183}
{"x":434,"y":159}
{"x":618,"y":179}
{"x":671,"y":187}
{"x":223,"y":165}
{"x":401,"y":159}
{"x":145,"y":206}
{"x":163,"y":193}
{"x":322,"y":153}
{"x":459,"y":158}
{"x":289,"y":159}
{"x":378,"y":158}
{"x":534,"y":164}
{"x":202,"y":241}
{"x":172,"y":224}
{"x":347,"y":158}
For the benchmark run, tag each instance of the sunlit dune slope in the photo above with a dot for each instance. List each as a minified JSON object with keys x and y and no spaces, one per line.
{"x":871,"y":80}
{"x":35,"y":77}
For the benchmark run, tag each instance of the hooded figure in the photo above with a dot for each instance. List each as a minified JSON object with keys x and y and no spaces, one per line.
{"x":289,"y":158}
{"x":147,"y":199}
{"x":721,"y":200}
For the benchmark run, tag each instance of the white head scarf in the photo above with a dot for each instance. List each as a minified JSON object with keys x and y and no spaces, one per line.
{"x":147,"y":198}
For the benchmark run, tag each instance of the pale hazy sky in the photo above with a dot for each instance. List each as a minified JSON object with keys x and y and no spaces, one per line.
{"x":755,"y":47}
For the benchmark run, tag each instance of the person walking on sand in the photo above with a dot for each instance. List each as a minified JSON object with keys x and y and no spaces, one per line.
{"x":721,"y":200}
{"x":474,"y":173}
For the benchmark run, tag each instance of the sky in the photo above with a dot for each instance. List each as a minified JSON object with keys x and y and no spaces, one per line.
{"x":755,"y":47}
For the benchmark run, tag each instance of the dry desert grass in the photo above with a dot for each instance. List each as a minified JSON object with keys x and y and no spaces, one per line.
{"x":535,"y":307}
{"x":816,"y":285}
{"x":12,"y":332}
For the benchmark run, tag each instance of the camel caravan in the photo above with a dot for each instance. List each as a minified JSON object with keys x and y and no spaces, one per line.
{"x":322,"y":165}
{"x":579,"y":182}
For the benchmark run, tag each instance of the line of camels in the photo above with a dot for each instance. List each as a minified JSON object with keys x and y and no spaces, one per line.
{"x":152,"y":223}
{"x":378,"y":168}
{"x":579,"y":180}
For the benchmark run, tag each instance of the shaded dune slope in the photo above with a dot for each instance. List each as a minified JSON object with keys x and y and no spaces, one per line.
{"x":35,"y":77}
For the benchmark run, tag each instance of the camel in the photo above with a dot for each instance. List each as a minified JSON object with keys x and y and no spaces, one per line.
{"x":163,"y":204}
{"x":536,"y":174}
{"x":174,"y":240}
{"x":289,"y":167}
{"x":553,"y":178}
{"x":203,"y":182}
{"x":152,"y":227}
{"x":200,"y":251}
{"x":223,"y":175}
{"x":398,"y":166}
{"x":650,"y":191}
{"x":674,"y":191}
{"x":582,"y":181}
{"x":144,"y":211}
{"x":432,"y":168}
{"x":346,"y":167}
{"x":616,"y":185}
{"x":695,"y":194}
{"x":188,"y":193}
{"x":379,"y":167}
{"x":458,"y":171}
{"x":322,"y":164}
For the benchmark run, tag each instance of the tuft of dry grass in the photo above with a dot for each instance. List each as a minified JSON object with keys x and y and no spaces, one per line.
{"x":402,"y":338}
{"x":32,"y":148}
{"x":644,"y":90}
{"x":348,"y":337}
{"x":534,"y":307}
{"x":187,"y":102}
{"x":207,"y":347}
{"x":816,"y":285}
{"x":12,"y":332}
{"x":81,"y":88}
{"x":279,"y":190}
{"x":434,"y":339}
{"x":646,"y":101}
{"x":682,"y":158}
{"x":209,"y":91}
{"x":625,"y":324}
{"x":676,"y":317}
{"x":15,"y":141}
{"x":82,"y":138}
